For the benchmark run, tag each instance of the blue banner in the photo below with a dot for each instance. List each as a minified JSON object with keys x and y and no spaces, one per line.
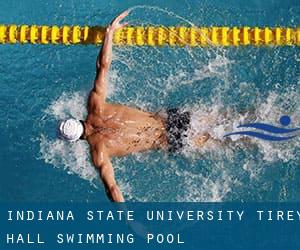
{"x":150,"y":226}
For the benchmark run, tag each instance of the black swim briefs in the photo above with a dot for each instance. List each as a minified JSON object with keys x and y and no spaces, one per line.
{"x":177,"y":124}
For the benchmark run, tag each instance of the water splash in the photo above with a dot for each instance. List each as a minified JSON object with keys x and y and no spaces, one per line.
{"x":74,"y":158}
{"x":192,"y":185}
{"x":211,"y":84}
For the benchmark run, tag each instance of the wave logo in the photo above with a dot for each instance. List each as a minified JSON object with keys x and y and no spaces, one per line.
{"x":273,"y":133}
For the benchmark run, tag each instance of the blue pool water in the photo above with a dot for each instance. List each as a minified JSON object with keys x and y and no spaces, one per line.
{"x":42,"y":84}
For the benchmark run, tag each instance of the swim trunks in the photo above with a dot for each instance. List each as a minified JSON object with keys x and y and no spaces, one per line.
{"x":177,"y":125}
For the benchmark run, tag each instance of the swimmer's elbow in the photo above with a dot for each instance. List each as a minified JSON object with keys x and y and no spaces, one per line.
{"x":99,"y":163}
{"x":105,"y":63}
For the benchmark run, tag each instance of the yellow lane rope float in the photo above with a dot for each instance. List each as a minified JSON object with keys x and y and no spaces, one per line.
{"x":152,"y":36}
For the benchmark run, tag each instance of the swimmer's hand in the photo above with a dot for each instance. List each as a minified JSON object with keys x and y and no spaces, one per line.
{"x":115,"y":24}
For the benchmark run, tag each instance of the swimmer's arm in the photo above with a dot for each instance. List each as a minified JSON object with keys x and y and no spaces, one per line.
{"x":103,"y":164}
{"x":105,"y":56}
{"x":102,"y":65}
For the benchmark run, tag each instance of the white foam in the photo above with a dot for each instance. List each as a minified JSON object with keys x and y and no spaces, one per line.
{"x":200,"y":188}
{"x":68,"y":105}
{"x":72,"y":157}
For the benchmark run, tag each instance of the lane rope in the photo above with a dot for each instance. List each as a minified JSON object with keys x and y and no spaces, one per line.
{"x":152,"y":35}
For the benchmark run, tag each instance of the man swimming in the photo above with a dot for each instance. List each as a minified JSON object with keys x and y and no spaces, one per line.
{"x":117,"y":130}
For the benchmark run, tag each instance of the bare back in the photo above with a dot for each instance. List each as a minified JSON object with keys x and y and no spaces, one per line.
{"x":123,"y":129}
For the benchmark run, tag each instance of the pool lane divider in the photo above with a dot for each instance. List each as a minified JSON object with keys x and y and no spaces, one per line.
{"x":152,"y":35}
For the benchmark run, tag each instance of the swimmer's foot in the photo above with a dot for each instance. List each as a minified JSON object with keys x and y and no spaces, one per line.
{"x":200,"y":140}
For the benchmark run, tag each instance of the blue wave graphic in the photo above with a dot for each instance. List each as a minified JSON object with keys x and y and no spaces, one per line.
{"x":262,"y":136}
{"x":269,"y":128}
{"x":284,"y":121}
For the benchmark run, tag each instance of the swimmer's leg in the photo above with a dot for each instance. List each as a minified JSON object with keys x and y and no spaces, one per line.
{"x":200,"y":140}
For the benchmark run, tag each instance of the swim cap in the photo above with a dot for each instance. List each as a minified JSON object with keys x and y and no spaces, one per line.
{"x":70,"y":129}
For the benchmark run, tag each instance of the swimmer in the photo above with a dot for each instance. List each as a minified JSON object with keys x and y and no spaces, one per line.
{"x":114,"y":130}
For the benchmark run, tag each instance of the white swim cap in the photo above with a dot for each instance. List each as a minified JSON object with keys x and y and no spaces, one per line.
{"x":70,"y":130}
